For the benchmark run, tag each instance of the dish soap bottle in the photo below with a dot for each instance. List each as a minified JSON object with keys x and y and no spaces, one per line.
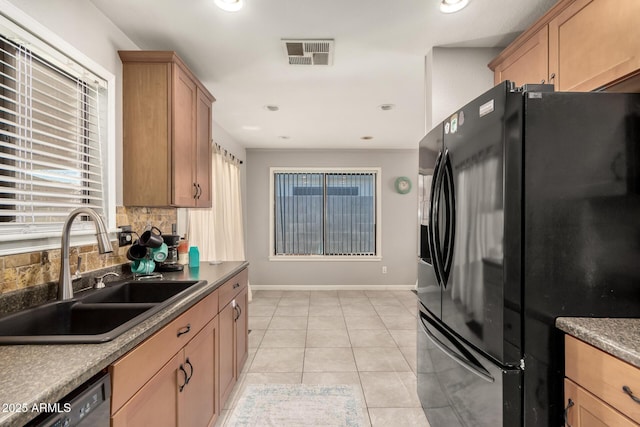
{"x":194,"y":257}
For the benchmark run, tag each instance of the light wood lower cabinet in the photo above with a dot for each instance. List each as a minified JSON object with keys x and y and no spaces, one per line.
{"x":594,"y":388}
{"x":183,"y":374}
{"x":228,"y":376}
{"x":233,"y":336}
{"x":182,"y":393}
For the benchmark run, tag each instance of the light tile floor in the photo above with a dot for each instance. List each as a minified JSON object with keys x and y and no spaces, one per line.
{"x":362,"y":338}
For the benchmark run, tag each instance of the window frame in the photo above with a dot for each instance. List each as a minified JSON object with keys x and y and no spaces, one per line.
{"x":378,"y":209}
{"x":57,"y":50}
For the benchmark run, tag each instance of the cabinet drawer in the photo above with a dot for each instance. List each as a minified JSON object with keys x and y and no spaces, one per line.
{"x":232,"y":287}
{"x":132,"y":371}
{"x":588,"y":410}
{"x":603,"y":375}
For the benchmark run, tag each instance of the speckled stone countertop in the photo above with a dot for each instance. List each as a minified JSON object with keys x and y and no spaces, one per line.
{"x":619,"y":337}
{"x":46,"y":373}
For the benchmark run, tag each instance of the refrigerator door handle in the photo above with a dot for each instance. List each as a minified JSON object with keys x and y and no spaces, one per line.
{"x":434,"y":222}
{"x":468,"y":361}
{"x":450,"y":217}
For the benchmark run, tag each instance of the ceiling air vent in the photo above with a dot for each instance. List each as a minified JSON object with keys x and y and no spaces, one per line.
{"x":309,"y":51}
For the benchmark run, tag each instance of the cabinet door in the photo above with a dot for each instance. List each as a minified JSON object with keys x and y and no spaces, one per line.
{"x":241,"y":331}
{"x":183,"y":132}
{"x":203,"y":150}
{"x":197,"y":401}
{"x":593,"y":43}
{"x":589,"y":411}
{"x":227,"y":351}
{"x":528,"y":63}
{"x":155,"y":404}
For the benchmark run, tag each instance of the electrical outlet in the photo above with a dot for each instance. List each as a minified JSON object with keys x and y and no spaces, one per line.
{"x":124,"y":239}
{"x":384,"y":269}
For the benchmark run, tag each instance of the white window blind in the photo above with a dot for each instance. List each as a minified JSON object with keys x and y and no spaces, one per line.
{"x":325,"y":213}
{"x":51,"y":140}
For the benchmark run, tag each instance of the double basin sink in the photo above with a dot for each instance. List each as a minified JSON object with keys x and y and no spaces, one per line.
{"x":95,"y":317}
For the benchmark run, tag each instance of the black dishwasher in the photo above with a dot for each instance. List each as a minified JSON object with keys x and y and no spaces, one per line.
{"x":87,"y":406}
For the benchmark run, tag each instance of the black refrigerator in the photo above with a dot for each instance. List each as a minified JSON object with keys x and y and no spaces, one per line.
{"x":529,"y":210}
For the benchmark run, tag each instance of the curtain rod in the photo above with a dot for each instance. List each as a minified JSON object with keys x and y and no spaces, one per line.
{"x":227,"y":153}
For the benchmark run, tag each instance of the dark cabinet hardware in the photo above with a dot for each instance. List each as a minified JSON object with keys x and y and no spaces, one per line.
{"x":184,"y":329}
{"x":186,"y":378}
{"x":628,"y":391}
{"x":191,"y":369}
{"x":566,"y":412}
{"x":236,"y":286}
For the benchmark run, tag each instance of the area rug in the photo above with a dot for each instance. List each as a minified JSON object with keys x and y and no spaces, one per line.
{"x":298,"y":405}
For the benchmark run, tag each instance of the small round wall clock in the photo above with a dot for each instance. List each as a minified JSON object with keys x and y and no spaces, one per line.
{"x":403,"y":184}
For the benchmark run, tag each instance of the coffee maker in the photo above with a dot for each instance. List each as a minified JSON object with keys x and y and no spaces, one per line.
{"x":171,"y":263}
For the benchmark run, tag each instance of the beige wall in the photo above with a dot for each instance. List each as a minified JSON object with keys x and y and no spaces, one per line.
{"x":399,"y":222}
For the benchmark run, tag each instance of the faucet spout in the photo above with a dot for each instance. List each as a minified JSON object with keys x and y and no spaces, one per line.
{"x":65,"y":288}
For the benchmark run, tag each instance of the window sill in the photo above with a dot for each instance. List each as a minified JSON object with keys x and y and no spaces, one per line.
{"x":12,"y":245}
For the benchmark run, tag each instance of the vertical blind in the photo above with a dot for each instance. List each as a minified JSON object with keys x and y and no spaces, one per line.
{"x":51,"y":159}
{"x":330,"y":214}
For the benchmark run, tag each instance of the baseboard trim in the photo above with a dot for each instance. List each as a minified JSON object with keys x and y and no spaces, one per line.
{"x":331,"y":287}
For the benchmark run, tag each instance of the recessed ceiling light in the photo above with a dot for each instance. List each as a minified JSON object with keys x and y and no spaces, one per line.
{"x":229,"y":5}
{"x":284,"y":137}
{"x":386,"y":107}
{"x":451,"y":6}
{"x":271,"y":107}
{"x":366,"y":138}
{"x":246,"y":127}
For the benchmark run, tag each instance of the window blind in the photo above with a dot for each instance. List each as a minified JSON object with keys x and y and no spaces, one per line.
{"x":51,"y":154}
{"x":331,"y":214}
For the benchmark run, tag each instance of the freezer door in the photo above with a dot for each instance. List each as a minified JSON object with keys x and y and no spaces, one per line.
{"x":474,"y":165}
{"x":458,"y":386}
{"x":429,"y":280}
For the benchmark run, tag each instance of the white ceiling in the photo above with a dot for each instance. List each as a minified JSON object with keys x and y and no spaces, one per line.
{"x":379,"y":58}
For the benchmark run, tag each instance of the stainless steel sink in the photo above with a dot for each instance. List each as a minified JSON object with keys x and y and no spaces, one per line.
{"x":99,"y":316}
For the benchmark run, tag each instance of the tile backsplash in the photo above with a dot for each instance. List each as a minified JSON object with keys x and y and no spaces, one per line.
{"x":25,"y":270}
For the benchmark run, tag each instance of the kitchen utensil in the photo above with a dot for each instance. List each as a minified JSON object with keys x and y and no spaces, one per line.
{"x":136,"y":251}
{"x":159,"y":254}
{"x":143,"y":266}
{"x":151,"y":239}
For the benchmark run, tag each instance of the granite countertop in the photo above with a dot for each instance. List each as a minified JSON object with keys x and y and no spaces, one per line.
{"x":33,"y":374}
{"x":619,"y":337}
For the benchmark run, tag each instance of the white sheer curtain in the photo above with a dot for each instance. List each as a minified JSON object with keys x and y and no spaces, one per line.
{"x":218,"y":232}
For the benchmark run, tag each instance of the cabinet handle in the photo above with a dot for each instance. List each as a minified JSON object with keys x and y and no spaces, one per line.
{"x":628,"y":391}
{"x":199,"y":191}
{"x":551,"y":77}
{"x":191,"y":368}
{"x":184,"y":329}
{"x":195,"y":190}
{"x":238,"y":311}
{"x":237,"y":285}
{"x":186,"y":378}
{"x":566,"y":412}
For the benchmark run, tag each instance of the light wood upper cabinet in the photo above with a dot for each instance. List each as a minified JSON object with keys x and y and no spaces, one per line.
{"x":166,"y":132}
{"x":578,"y":45}
{"x":593,"y":43}
{"x":529,"y":63}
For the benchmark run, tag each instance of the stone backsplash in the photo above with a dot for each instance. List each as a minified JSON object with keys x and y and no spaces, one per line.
{"x":25,"y":270}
